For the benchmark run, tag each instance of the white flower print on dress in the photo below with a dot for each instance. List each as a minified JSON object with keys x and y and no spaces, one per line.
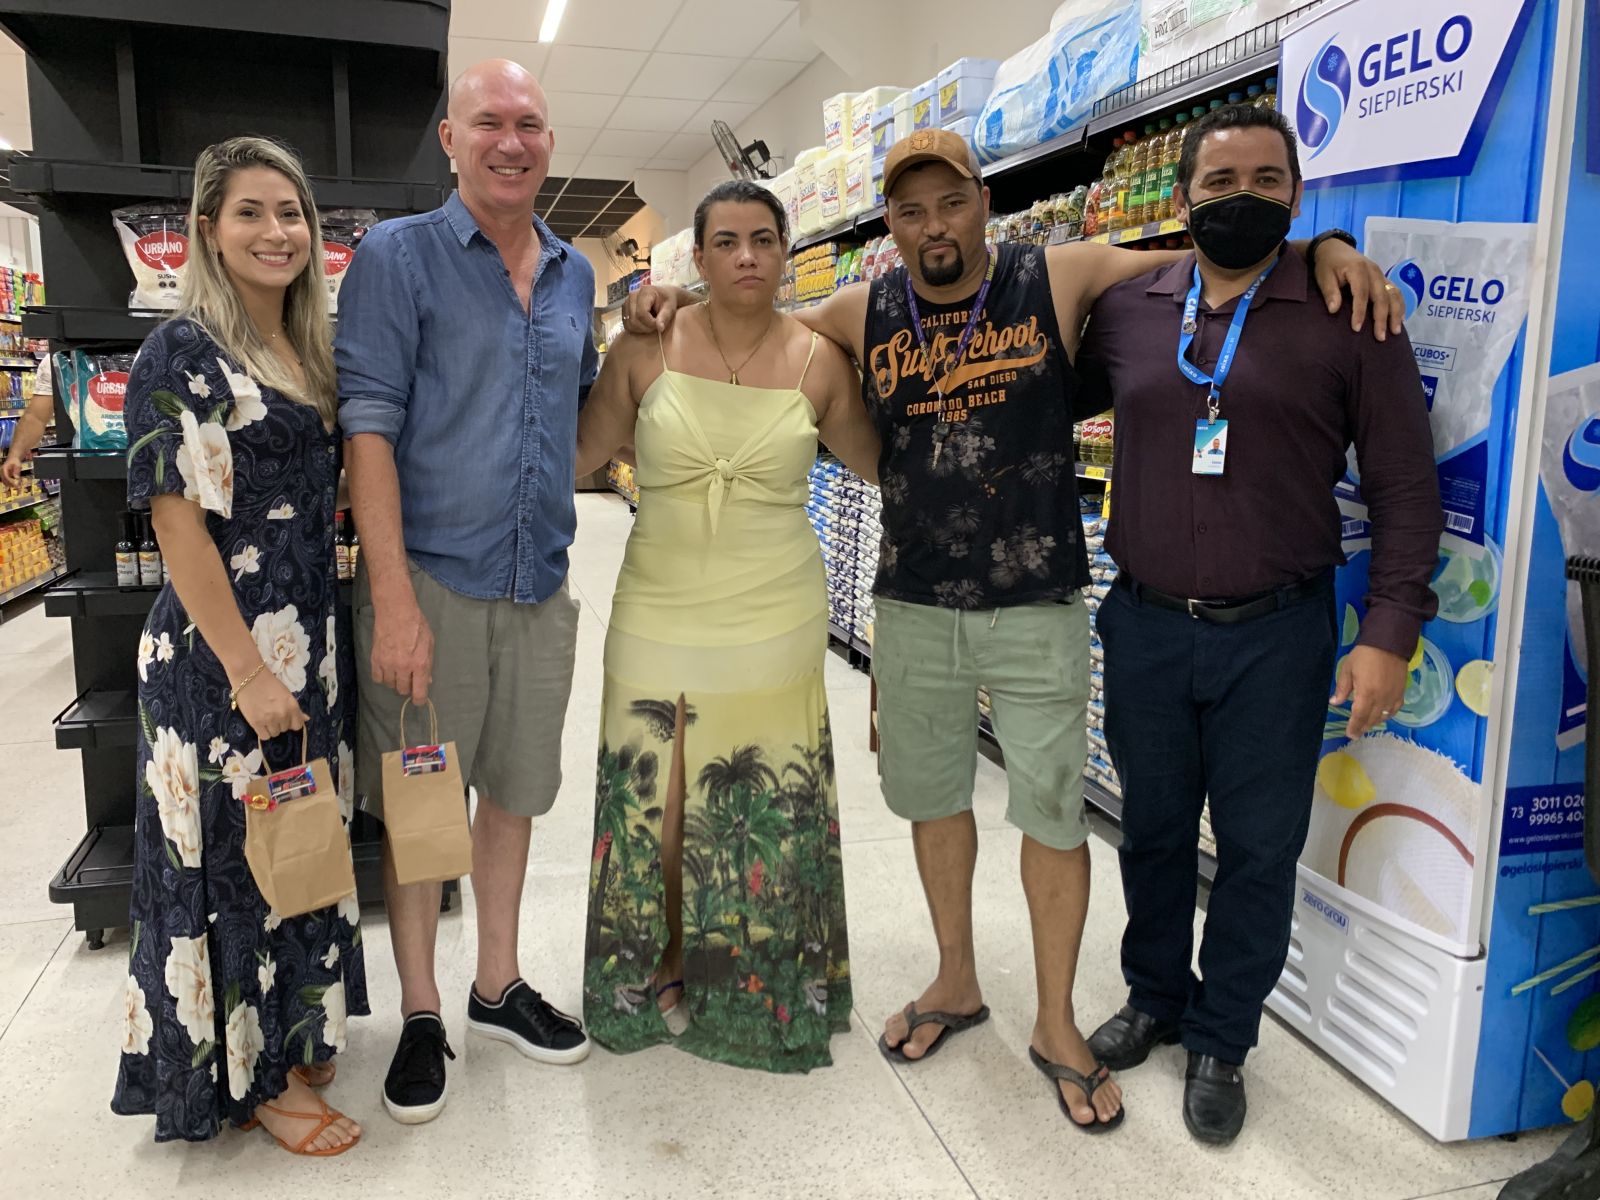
{"x":331,"y":957}
{"x":188,"y":978}
{"x":173,"y":777}
{"x":245,"y":1043}
{"x":350,"y":909}
{"x":335,"y":1016}
{"x":198,"y":385}
{"x":218,"y":752}
{"x":284,"y":512}
{"x":246,"y":562}
{"x":240,"y":769}
{"x":138,"y":1027}
{"x":205,"y":460}
{"x":272,"y":920}
{"x":147,"y":655}
{"x":284,"y":646}
{"x":248,"y":407}
{"x":328,"y":668}
{"x":266,"y":974}
{"x":165,"y":648}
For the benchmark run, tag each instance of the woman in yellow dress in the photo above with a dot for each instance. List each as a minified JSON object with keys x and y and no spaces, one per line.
{"x":716,"y":896}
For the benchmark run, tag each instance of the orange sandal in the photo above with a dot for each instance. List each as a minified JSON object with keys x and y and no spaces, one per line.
{"x":325,"y":1118}
{"x":303,"y":1074}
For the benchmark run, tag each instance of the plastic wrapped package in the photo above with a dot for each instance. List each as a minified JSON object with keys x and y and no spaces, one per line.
{"x":96,"y":388}
{"x":836,"y":120}
{"x":342,"y":231}
{"x":863,"y":106}
{"x":925,"y":105}
{"x":155,"y":241}
{"x":1052,"y":85}
{"x":1171,"y":31}
{"x":963,"y":87}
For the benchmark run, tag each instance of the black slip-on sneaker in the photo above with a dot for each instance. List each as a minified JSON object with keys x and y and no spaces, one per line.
{"x":524,"y":1019}
{"x":414,"y":1090}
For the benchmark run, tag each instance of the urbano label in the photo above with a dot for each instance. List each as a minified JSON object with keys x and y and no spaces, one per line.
{"x":163,"y":251}
{"x":109,"y":390}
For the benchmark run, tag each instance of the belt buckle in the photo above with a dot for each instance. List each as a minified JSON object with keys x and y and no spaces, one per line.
{"x":1194,"y":607}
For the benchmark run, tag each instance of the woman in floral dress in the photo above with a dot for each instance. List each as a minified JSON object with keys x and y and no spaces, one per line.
{"x":230,"y":410}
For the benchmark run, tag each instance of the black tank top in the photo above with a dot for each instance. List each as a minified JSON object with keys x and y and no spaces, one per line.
{"x":996,"y":522}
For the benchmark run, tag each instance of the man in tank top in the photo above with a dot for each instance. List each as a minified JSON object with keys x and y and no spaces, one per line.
{"x":966,"y":356}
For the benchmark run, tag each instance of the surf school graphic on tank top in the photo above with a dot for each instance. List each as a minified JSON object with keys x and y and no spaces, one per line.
{"x":994,"y":521}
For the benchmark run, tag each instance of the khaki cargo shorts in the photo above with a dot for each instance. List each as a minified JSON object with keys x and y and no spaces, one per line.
{"x":929,"y":662}
{"x":502,"y":674}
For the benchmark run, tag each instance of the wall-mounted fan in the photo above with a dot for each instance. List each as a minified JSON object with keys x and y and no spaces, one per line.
{"x":744,"y":162}
{"x":625,"y":254}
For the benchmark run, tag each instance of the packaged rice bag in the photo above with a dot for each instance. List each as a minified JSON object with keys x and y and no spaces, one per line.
{"x":342,"y":231}
{"x":96,"y":388}
{"x":155,"y":241}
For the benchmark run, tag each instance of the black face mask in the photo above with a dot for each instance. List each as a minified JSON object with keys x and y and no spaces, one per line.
{"x":1240,"y":229}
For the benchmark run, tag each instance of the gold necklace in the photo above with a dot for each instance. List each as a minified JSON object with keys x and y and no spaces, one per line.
{"x":733,"y":372}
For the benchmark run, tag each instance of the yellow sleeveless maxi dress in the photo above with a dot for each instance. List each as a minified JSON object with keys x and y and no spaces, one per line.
{"x":722,"y":599}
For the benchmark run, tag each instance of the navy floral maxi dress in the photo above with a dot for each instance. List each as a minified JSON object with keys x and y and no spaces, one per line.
{"x":223,"y":995}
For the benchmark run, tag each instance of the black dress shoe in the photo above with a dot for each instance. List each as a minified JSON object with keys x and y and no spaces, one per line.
{"x":1213,"y":1099}
{"x":1126,"y":1039}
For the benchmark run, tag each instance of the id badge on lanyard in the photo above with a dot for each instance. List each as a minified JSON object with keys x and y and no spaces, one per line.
{"x":1211,"y":431}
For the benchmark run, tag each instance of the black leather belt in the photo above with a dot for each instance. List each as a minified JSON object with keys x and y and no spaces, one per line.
{"x":1228,"y":612}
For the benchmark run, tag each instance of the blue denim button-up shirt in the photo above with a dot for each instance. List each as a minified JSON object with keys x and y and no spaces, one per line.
{"x":479,"y":398}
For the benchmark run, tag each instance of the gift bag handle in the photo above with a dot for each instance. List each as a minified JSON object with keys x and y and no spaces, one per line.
{"x":305,"y":738}
{"x":433,"y":718}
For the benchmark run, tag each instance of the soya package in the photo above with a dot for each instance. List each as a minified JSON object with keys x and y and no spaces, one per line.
{"x":342,"y":231}
{"x":155,"y":240}
{"x":96,"y":388}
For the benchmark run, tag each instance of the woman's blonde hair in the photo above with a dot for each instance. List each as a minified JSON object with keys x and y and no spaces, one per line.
{"x":210,"y":299}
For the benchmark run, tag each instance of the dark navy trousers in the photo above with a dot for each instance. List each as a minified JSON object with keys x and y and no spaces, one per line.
{"x":1235,"y":712}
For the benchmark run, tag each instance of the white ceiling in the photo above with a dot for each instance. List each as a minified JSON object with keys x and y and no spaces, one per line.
{"x":635,"y":84}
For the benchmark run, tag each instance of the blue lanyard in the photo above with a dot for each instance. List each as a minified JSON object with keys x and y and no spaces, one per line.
{"x":1230,"y":347}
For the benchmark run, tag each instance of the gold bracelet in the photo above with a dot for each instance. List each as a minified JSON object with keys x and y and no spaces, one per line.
{"x":233,"y":696}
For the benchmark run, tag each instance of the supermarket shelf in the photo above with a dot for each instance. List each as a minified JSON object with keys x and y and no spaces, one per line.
{"x":38,"y":581}
{"x":418,"y":26}
{"x":100,"y":868}
{"x":97,"y":720}
{"x":1092,"y":471}
{"x":1191,"y":81}
{"x":64,"y":323}
{"x":18,"y":364}
{"x":631,"y":497}
{"x":49,"y":177}
{"x":68,"y":462}
{"x":16,"y":506}
{"x":867,"y":224}
{"x":1139,"y":233}
{"x":96,"y":594}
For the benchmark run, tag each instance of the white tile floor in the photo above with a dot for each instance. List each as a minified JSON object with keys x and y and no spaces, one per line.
{"x":978,"y":1121}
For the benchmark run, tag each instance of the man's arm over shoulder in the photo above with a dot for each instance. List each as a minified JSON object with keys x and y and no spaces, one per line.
{"x":375,"y":346}
{"x":841,"y":318}
{"x":1400,"y":483}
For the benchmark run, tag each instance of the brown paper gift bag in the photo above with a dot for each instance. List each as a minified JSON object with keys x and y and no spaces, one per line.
{"x":425,"y":809}
{"x":294,"y":839}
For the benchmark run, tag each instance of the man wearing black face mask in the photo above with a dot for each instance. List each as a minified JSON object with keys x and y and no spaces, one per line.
{"x":1236,"y":403}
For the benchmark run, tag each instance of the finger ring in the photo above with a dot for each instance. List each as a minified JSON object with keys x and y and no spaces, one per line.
{"x":1388,"y":712}
{"x":1389,"y":287}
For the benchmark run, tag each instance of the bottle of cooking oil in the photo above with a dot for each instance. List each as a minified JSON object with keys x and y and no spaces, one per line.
{"x":1106,"y":200}
{"x":1124,"y":185}
{"x":1171,"y":152}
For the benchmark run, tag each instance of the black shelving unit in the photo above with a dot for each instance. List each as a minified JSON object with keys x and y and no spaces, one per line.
{"x":357,"y":88}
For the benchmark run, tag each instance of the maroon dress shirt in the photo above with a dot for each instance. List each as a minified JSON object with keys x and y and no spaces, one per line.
{"x":1303,"y":388}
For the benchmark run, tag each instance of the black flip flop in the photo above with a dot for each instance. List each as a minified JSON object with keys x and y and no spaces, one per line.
{"x":951,"y":1022}
{"x":1088,"y":1084}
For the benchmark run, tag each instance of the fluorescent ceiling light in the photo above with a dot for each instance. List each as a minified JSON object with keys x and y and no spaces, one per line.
{"x":552,"y":20}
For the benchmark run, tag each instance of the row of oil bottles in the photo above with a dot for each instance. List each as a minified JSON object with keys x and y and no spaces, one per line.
{"x":1136,"y":186}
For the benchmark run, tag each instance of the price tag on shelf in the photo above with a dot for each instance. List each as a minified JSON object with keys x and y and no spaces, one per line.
{"x":1105,"y":505}
{"x":1095,"y":473}
{"x":1103,"y":239}
{"x":1171,"y":225}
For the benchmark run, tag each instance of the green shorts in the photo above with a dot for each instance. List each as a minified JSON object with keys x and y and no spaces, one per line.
{"x":502,"y":674}
{"x":1033,"y":659}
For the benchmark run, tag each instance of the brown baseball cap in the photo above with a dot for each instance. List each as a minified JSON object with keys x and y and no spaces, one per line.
{"x":930,"y":145}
